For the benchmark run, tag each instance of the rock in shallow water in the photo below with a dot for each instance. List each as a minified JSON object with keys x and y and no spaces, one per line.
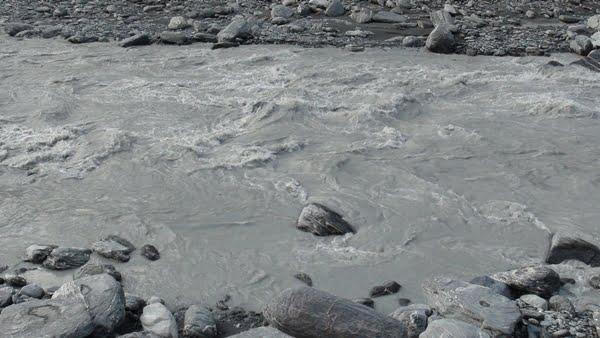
{"x":452,"y":328}
{"x":441,"y":40}
{"x":93,"y":268}
{"x":535,"y":301}
{"x":307,"y":312}
{"x":386,"y":288}
{"x":13,"y":28}
{"x":322,"y":221}
{"x":6,"y":294}
{"x":104,"y":299}
{"x":335,"y":8}
{"x":472,"y":303}
{"x":158,"y":319}
{"x":199,"y":322}
{"x":539,"y":280}
{"x":565,"y":247}
{"x":150,"y":252}
{"x":414,"y":317}
{"x":499,"y":287}
{"x":582,"y":45}
{"x":37,"y":253}
{"x":14,"y":280}
{"x":141,"y":39}
{"x":304,"y":278}
{"x":114,"y":247}
{"x":63,"y":258}
{"x":365,"y":301}
{"x":174,"y":38}
{"x":134,"y":303}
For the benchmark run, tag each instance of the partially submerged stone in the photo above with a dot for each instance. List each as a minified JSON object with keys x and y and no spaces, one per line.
{"x":94,"y":268}
{"x":63,"y":258}
{"x":37,"y":253}
{"x":322,"y":221}
{"x":15,"y":280}
{"x":451,"y":328}
{"x":499,"y":287}
{"x":6,"y":294}
{"x":307,"y":312}
{"x":150,"y":252}
{"x":199,"y":322}
{"x":104,"y":300}
{"x":114,"y":247}
{"x":414,"y":317}
{"x":565,"y":248}
{"x":304,"y":278}
{"x":365,"y":301}
{"x":539,"y":280}
{"x":389,"y":17}
{"x":475,"y":304}
{"x":140,"y":39}
{"x":384,"y":289}
{"x":13,"y":28}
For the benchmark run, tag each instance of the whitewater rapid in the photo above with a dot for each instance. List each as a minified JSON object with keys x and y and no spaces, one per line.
{"x":444,"y":164}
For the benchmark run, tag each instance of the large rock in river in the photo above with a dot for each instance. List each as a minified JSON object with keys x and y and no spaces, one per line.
{"x":539,"y":280}
{"x":65,"y":318}
{"x":103,"y":297}
{"x":63,"y":258}
{"x":441,"y":40}
{"x":308,"y":312}
{"x":566,"y":247}
{"x":114,"y":247}
{"x":475,"y":304}
{"x":322,"y":221}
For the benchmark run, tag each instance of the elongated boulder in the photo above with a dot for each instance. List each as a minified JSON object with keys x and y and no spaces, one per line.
{"x":499,"y":287}
{"x":13,"y":28}
{"x":452,"y":328}
{"x":307,"y":312}
{"x":199,"y":322}
{"x":114,"y":247}
{"x":238,"y":28}
{"x":539,"y":280}
{"x":389,"y":17}
{"x":441,"y":40}
{"x":103,"y":297}
{"x":140,"y":39}
{"x":67,"y":318}
{"x":471,"y":303}
{"x":322,"y":221}
{"x":63,"y":258}
{"x":566,"y":248}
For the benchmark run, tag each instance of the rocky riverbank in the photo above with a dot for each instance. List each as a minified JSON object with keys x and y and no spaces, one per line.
{"x":472,"y":27}
{"x":559,"y":297}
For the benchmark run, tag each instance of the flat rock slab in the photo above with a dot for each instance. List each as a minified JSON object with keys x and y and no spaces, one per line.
{"x":475,"y":304}
{"x":564,"y":247}
{"x":307,"y":312}
{"x":322,"y":221}
{"x":63,"y":258}
{"x":261,"y":332}
{"x":66,"y":318}
{"x":388,"y":17}
{"x":539,"y":280}
{"x":452,"y":328}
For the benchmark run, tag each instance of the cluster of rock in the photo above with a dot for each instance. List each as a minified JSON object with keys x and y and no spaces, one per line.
{"x":457,"y":26}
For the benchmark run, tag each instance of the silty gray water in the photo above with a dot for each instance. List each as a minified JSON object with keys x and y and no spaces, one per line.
{"x":444,"y":164}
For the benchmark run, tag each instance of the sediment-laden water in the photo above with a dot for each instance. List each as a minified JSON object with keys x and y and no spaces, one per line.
{"x":444,"y":164}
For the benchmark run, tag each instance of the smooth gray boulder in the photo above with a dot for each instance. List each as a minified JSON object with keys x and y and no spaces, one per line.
{"x":335,"y":8}
{"x":322,"y":221}
{"x":174,"y":38}
{"x":32,"y":291}
{"x":412,"y":42}
{"x":261,"y":332}
{"x":140,"y":39}
{"x":539,"y":280}
{"x":281,"y":11}
{"x":414,"y":317}
{"x":582,"y":45}
{"x":441,"y":17}
{"x":65,"y":318}
{"x":178,"y":22}
{"x":104,"y":299}
{"x":593,"y":22}
{"x":441,"y":40}
{"x":389,"y":17}
{"x":499,"y":287}
{"x":238,"y":28}
{"x":471,"y":303}
{"x":452,"y":328}
{"x":158,"y":319}
{"x":63,"y":258}
{"x":308,"y":312}
{"x":95,"y":268}
{"x":535,"y":301}
{"x":565,"y":247}
{"x":6,"y":294}
{"x":114,"y":247}
{"x":38,"y":253}
{"x":199,"y":322}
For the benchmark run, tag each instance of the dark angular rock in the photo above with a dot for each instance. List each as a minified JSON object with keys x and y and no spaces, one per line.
{"x":92,"y":268}
{"x":539,"y":280}
{"x":588,"y":63}
{"x":441,"y":40}
{"x":141,"y":39}
{"x":204,"y":37}
{"x":150,"y":252}
{"x":403,"y":301}
{"x":554,"y":63}
{"x":560,"y":304}
{"x":322,"y":221}
{"x":174,"y":38}
{"x":472,"y":303}
{"x":15,"y":280}
{"x":63,"y":258}
{"x":199,"y":322}
{"x":499,"y":287}
{"x":582,"y":45}
{"x":134,"y":303}
{"x":386,"y":288}
{"x":13,"y":28}
{"x":6,"y":294}
{"x":77,"y":39}
{"x":224,"y":45}
{"x":304,"y":278}
{"x":366,"y":302}
{"x":307,"y":312}
{"x":566,"y":248}
{"x":114,"y":247}
{"x":37,"y":253}
{"x":595,"y":282}
{"x":414,"y":317}
{"x":32,"y":290}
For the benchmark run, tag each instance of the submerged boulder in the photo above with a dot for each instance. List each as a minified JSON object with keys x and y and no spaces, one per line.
{"x":322,"y":221}
{"x":566,"y":248}
{"x":63,"y":258}
{"x":539,"y":280}
{"x":307,"y":312}
{"x":471,"y":303}
{"x":150,"y":252}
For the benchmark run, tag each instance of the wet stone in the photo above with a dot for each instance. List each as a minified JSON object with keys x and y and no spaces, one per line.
{"x":403,"y":301}
{"x":539,"y":280}
{"x":32,"y":290}
{"x":92,"y":268}
{"x":386,"y":288}
{"x":37,"y":253}
{"x":114,"y":247}
{"x":15,"y":281}
{"x":322,"y":221}
{"x":366,"y":302}
{"x":304,"y":278}
{"x":63,"y":258}
{"x":150,"y":252}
